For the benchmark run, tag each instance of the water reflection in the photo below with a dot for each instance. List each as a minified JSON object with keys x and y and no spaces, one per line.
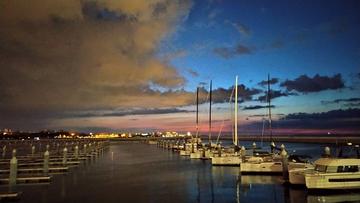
{"x":146,"y":173}
{"x":272,"y":190}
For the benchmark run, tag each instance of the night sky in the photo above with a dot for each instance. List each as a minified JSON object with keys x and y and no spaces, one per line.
{"x":134,"y":66}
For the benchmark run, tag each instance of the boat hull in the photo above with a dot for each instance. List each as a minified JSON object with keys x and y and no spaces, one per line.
{"x":333,"y":180}
{"x":269,"y":167}
{"x":226,"y":161}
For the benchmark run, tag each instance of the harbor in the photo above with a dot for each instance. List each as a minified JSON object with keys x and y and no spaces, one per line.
{"x":152,"y":172}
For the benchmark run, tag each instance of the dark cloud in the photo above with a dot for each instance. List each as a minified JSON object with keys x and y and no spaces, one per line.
{"x":330,"y":115}
{"x":277,"y":44}
{"x":125,"y":112}
{"x":242,"y":29}
{"x":352,"y":102}
{"x":316,"y":84}
{"x":257,"y":107}
{"x":265,"y":82}
{"x":275,"y":94}
{"x":222,"y":95}
{"x":226,"y":53}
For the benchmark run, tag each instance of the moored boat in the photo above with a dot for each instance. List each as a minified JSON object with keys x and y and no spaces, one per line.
{"x":329,"y":173}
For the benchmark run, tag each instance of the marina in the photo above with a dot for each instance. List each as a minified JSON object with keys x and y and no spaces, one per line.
{"x":144,"y":172}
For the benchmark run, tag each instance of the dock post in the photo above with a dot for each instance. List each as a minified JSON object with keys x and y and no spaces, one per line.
{"x":284,"y":161}
{"x":13,"y":171}
{"x":254,"y":148}
{"x":47,"y":148}
{"x":282,"y":147}
{"x":76,"y":153}
{"x":327,"y":151}
{"x":65,"y":157}
{"x":33,"y":153}
{"x":90,"y":148}
{"x":184,"y":145}
{"x":219,"y":149}
{"x":85,"y":150}
{"x":178,"y":145}
{"x":46,"y":163}
{"x":39,"y":146}
{"x":13,"y":153}
{"x":203,"y":150}
{"x":242,"y":154}
{"x":4,"y":152}
{"x":192,"y":148}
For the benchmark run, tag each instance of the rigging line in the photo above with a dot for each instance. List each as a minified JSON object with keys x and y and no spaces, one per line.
{"x":262,"y":135}
{"x":222,"y":124}
{"x":188,"y":125}
{"x":231,"y":116}
{"x":264,"y":119}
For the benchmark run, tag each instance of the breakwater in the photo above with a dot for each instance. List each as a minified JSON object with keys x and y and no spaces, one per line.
{"x":282,"y":139}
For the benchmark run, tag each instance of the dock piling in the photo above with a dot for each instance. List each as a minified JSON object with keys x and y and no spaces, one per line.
{"x":219,"y":149}
{"x":203,"y":150}
{"x":327,"y":151}
{"x":46,"y":163}
{"x":65,"y":157}
{"x":13,"y":171}
{"x":284,"y":161}
{"x":242,"y":154}
{"x":76,"y":153}
{"x":4,"y":152}
{"x":13,"y":153}
{"x":33,"y":153}
{"x":85,"y":150}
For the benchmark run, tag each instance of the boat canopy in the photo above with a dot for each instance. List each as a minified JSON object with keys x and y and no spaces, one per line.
{"x":337,"y":162}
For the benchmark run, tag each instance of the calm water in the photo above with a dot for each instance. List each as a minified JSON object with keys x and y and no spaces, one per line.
{"x":139,"y":172}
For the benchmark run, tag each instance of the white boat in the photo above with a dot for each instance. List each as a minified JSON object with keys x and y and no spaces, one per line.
{"x":270,"y":163}
{"x":188,"y":147}
{"x":329,"y":173}
{"x":233,"y":158}
{"x":341,"y":172}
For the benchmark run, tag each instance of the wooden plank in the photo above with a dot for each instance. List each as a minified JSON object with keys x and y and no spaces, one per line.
{"x":27,"y":179}
{"x":31,"y":170}
{"x":7,"y":195}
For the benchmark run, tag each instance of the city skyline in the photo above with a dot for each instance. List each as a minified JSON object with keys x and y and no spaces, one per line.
{"x":134,"y":66}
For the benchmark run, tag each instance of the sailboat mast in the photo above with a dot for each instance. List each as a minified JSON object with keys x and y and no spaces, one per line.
{"x":197,"y":116}
{"x":268,"y":96}
{"x":236,"y":114}
{"x":210,"y":115}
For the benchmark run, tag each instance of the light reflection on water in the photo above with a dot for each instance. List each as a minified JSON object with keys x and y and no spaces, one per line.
{"x":146,"y":173}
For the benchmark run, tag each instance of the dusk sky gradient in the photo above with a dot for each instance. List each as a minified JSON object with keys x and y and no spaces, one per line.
{"x":134,"y":66}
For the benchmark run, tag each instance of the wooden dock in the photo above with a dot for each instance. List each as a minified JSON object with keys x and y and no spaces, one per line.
{"x":9,"y":196}
{"x":32,"y":179}
{"x":37,"y":170}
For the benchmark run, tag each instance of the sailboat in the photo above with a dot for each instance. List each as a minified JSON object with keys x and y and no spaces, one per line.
{"x":271,"y":163}
{"x":203,"y":153}
{"x":230,"y":159}
{"x":192,"y":145}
